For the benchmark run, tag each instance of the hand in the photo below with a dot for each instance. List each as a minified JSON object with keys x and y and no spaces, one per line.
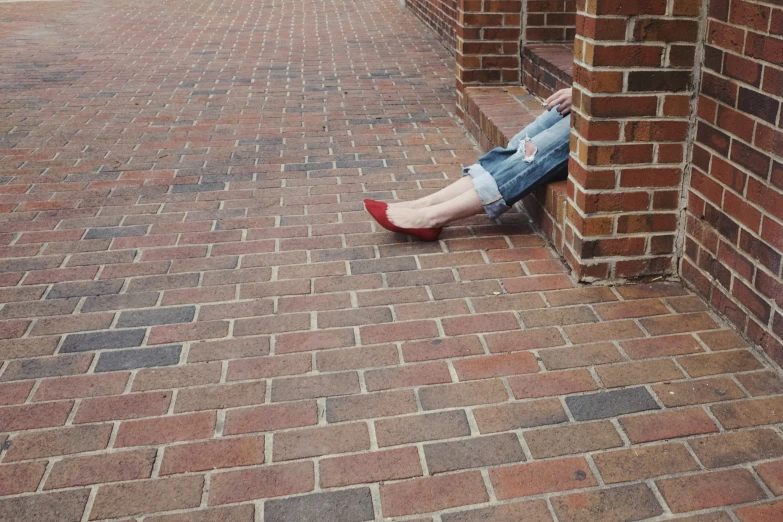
{"x":561,"y":98}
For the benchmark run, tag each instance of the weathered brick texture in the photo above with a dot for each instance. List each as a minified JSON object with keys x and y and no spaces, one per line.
{"x":549,"y":21}
{"x":440,"y":16}
{"x":633,"y":82}
{"x":733,"y":250}
{"x":488,"y":39}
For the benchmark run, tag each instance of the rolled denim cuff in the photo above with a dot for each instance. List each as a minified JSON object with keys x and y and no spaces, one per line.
{"x":487,"y":190}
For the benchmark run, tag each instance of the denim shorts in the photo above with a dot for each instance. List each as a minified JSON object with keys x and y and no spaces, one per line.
{"x":503,"y":176}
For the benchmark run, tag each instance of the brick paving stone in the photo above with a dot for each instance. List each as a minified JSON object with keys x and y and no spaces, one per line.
{"x":667,"y":425}
{"x":375,"y":466}
{"x":353,"y":505}
{"x":718,"y":363}
{"x":57,"y":366}
{"x":772,"y":475}
{"x":575,"y":356}
{"x":261,"y":482}
{"x":212,"y":454}
{"x":382,"y":404}
{"x":190,"y":207}
{"x":15,"y":392}
{"x":531,"y":511}
{"x":602,"y":405}
{"x":310,"y":442}
{"x":33,"y":416}
{"x":729,"y":449}
{"x":462,"y":394}
{"x":643,"y":372}
{"x":418,"y":351}
{"x":552,"y":383}
{"x":147,"y":496}
{"x":58,"y":442}
{"x":712,"y":389}
{"x":417,"y":428}
{"x":79,"y":386}
{"x":64,"y":506}
{"x":535,"y":478}
{"x":114,"y":467}
{"x":428,"y":494}
{"x":761,"y":383}
{"x":121,"y":407}
{"x":761,"y":513}
{"x":476,"y":452}
{"x":21,"y":478}
{"x":573,"y":439}
{"x":162,"y":430}
{"x":747,"y":413}
{"x":102,"y":340}
{"x":619,"y":504}
{"x":508,"y":417}
{"x":661,"y":346}
{"x":242,"y":513}
{"x":706,"y":490}
{"x":645,"y":462}
{"x":138,"y":358}
{"x":176,"y":376}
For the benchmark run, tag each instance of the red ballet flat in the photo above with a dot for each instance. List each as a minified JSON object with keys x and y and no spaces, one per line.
{"x":377,"y":210}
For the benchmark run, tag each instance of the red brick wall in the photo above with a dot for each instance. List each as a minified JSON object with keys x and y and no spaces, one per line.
{"x":550,"y":21}
{"x":488,"y":33}
{"x":633,"y":85}
{"x":440,"y":16}
{"x":734,"y":235}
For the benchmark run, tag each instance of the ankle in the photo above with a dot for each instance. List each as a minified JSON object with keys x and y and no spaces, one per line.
{"x":431,"y":219}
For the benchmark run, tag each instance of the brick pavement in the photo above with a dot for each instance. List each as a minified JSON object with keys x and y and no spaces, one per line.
{"x":201,"y":323}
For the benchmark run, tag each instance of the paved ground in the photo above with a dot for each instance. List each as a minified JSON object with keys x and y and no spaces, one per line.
{"x":181,"y":186}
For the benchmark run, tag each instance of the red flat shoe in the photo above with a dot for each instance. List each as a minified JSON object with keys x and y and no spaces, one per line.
{"x":377,"y":210}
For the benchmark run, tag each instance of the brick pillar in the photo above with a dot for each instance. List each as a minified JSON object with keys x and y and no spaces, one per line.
{"x":487,"y":44}
{"x":633,"y":89}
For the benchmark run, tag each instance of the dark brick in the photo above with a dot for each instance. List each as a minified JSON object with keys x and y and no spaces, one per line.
{"x":54,"y":366}
{"x":603,"y":405}
{"x":102,"y":340}
{"x":667,"y":81}
{"x":353,"y":505}
{"x":138,"y":358}
{"x":98,"y":233}
{"x":757,"y":104}
{"x":85,"y":289}
{"x":156,"y":316}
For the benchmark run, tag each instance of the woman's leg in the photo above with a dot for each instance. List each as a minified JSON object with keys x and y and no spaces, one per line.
{"x":464,"y":205}
{"x":451,"y":191}
{"x":543,"y":121}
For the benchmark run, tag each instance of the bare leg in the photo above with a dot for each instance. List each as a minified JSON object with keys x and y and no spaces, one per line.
{"x":450,"y":192}
{"x":464,"y":205}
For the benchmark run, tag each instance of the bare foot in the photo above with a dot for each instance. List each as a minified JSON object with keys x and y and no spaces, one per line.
{"x":408,"y":204}
{"x":409,"y":217}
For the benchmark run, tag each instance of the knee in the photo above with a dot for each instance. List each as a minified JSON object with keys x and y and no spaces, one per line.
{"x":530,"y":150}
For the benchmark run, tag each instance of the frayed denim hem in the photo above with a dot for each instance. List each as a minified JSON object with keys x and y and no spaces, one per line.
{"x":487,"y":190}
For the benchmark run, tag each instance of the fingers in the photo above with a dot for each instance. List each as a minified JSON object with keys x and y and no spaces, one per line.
{"x":554,"y":100}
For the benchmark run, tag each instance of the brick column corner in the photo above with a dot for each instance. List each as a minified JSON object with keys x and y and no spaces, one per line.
{"x":487,"y":47}
{"x":633,"y":93}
